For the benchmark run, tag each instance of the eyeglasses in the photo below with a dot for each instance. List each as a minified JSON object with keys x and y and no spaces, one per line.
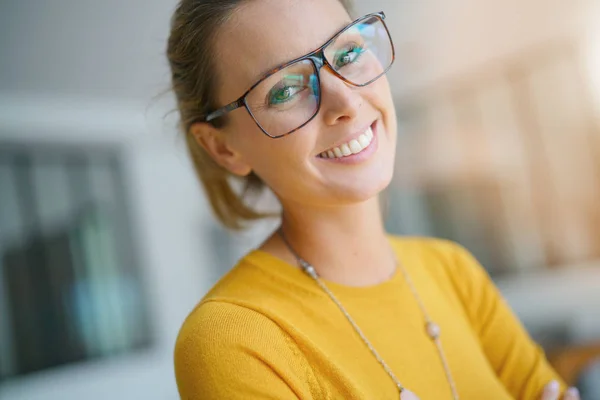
{"x":289,"y":96}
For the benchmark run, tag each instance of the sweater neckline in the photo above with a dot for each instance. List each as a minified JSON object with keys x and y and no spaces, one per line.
{"x":276,"y":266}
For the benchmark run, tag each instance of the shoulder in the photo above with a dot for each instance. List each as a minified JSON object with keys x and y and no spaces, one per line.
{"x":217,"y":336}
{"x":223,"y":350}
{"x":239,"y":311}
{"x":235,"y":309}
{"x":449,"y":263}
{"x":217,"y":325}
{"x":434,"y":251}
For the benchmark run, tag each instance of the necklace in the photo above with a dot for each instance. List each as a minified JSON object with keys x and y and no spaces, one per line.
{"x":431,"y":328}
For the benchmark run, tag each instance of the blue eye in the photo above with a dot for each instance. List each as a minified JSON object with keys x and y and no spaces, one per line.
{"x":348,"y":56}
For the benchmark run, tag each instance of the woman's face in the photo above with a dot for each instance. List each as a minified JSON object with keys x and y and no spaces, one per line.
{"x":264,"y":34}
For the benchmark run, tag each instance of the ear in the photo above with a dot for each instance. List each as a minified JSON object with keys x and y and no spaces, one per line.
{"x":213,"y":140}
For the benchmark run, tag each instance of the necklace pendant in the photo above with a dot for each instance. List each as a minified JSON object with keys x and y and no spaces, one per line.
{"x":433,"y":330}
{"x":408,"y":395}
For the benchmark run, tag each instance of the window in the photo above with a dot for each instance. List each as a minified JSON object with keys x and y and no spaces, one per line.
{"x":70,"y":286}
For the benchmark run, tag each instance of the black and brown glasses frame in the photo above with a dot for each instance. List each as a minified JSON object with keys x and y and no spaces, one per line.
{"x":318,"y":59}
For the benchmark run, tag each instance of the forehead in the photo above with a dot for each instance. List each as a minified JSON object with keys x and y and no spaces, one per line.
{"x":263,"y":34}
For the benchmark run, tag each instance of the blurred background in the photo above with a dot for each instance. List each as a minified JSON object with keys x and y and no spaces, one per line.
{"x":106,"y":242}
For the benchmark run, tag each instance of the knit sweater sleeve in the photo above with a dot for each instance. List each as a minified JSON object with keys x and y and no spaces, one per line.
{"x":517,"y":360}
{"x":227,"y":351}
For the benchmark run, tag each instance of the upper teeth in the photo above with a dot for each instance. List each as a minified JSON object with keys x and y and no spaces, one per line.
{"x":352,"y":147}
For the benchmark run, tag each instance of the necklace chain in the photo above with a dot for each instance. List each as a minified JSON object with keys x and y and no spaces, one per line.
{"x":432,"y":329}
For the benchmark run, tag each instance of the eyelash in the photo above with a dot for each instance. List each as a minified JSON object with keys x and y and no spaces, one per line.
{"x":350,"y":48}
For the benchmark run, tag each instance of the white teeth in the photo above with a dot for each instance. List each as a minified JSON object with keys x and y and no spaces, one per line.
{"x":345,"y":149}
{"x":364,"y":141}
{"x":354,"y":146}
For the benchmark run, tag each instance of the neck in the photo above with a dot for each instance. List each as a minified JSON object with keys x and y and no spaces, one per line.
{"x":346,"y":244}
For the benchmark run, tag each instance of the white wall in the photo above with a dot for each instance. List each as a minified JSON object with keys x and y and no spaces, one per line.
{"x":110,"y":48}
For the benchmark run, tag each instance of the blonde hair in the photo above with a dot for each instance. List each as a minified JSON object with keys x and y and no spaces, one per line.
{"x":194,"y":26}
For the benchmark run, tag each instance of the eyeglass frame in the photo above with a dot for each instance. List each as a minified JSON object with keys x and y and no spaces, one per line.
{"x":318,"y":59}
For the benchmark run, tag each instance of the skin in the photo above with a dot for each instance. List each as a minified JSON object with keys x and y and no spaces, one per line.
{"x":331,"y":211}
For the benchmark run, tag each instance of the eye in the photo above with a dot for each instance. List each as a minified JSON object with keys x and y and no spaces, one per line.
{"x":280,"y":95}
{"x":286,"y":90}
{"x":348,"y":55}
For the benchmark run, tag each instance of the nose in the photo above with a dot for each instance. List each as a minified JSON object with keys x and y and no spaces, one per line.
{"x":340,"y":102}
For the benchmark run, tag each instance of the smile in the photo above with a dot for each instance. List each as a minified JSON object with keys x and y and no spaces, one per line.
{"x":352,"y":147}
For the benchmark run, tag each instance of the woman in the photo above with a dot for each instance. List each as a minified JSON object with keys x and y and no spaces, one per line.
{"x":329,"y":306}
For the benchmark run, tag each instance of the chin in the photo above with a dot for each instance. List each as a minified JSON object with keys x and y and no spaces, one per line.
{"x":364,"y":188}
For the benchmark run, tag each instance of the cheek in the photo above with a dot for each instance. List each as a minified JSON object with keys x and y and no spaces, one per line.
{"x":382,"y":100}
{"x":378,"y":95}
{"x":383,"y":97}
{"x":269,"y":157}
{"x":249,"y":140}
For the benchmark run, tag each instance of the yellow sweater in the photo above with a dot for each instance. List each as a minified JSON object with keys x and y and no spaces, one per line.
{"x":267,"y":331}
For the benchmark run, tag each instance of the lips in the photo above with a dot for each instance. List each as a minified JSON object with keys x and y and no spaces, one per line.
{"x":351,"y":147}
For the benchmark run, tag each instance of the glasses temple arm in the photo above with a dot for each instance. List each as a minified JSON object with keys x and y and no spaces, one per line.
{"x":224,"y":110}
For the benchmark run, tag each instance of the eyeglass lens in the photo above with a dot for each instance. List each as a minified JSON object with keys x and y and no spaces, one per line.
{"x":289,"y":98}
